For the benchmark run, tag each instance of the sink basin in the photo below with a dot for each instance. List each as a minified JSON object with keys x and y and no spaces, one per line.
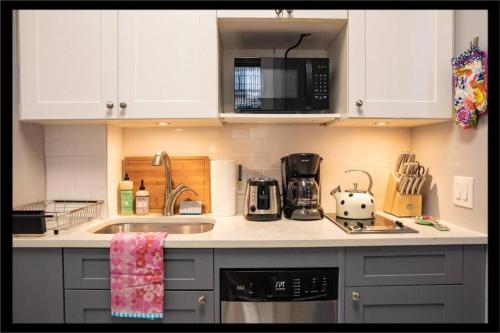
{"x":170,"y":227}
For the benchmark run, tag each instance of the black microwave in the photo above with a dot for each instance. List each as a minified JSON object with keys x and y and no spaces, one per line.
{"x":281,"y":85}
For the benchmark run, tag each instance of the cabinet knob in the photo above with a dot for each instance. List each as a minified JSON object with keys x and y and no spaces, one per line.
{"x":359,"y":103}
{"x":355,"y":296}
{"x":123,"y":105}
{"x":289,"y":11}
{"x":201,"y":300}
{"x":278,"y":11}
{"x":109,"y":105}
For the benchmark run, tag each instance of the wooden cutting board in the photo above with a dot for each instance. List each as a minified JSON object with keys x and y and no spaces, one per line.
{"x":193,"y":171}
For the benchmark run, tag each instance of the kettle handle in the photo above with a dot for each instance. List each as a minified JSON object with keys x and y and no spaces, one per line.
{"x":369,"y":178}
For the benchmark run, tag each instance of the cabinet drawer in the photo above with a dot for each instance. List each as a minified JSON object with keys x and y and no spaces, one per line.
{"x":404,"y":304}
{"x":404,"y":265}
{"x":94,"y":306}
{"x":184,"y":269}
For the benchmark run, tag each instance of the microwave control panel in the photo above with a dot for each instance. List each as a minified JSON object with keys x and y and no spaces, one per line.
{"x":320,"y":84}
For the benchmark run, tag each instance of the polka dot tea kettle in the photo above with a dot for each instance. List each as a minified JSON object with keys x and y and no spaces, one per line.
{"x":354,"y":203}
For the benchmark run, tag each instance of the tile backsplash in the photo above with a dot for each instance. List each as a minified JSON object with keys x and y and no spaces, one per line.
{"x":75,"y":157}
{"x":259,"y":149}
{"x":77,"y":165}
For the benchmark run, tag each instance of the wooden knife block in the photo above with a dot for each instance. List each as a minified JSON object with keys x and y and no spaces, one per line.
{"x":401,"y":205}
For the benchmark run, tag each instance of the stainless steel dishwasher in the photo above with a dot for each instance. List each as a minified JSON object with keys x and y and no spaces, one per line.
{"x":279,"y":296}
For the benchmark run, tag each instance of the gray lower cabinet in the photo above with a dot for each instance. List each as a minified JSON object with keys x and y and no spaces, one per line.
{"x":404,"y":265}
{"x":93,"y":306}
{"x":185,"y":269}
{"x":404,"y":304}
{"x":37,"y":285}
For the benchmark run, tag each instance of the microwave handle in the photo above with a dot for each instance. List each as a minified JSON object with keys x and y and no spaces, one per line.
{"x":309,"y":83}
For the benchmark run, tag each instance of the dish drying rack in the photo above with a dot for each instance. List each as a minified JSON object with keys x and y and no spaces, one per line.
{"x":64,"y":214}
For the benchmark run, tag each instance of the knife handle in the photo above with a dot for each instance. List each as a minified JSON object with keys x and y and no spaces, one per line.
{"x":414,"y":187}
{"x":421,"y":184}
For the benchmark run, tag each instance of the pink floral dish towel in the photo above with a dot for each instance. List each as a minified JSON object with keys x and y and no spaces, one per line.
{"x":136,"y":260}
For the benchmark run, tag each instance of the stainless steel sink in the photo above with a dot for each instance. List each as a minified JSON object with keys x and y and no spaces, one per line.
{"x":170,"y":227}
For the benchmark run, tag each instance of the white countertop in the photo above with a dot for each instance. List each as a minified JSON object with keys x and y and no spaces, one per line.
{"x":236,"y":232}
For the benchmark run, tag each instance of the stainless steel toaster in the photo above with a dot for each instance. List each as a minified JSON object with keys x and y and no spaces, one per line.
{"x":262,"y":200}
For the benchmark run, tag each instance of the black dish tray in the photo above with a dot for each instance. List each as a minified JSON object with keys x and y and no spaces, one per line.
{"x":28,"y":222}
{"x":38,"y":217}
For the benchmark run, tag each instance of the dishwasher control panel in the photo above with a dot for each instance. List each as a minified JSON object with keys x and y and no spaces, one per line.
{"x":279,"y":285}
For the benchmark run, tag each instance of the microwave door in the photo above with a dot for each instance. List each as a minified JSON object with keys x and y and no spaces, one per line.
{"x":283,"y":84}
{"x":247,"y":84}
{"x":271,"y":87}
{"x":294,"y":84}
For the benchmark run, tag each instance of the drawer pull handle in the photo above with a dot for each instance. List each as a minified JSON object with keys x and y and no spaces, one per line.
{"x":201,"y":300}
{"x":109,"y":105}
{"x":359,"y":103}
{"x":355,"y":296}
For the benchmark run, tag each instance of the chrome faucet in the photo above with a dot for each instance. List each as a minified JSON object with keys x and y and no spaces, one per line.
{"x":160,"y":158}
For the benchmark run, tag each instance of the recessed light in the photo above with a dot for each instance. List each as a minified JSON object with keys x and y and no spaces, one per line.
{"x":162,"y":123}
{"x":381,"y":123}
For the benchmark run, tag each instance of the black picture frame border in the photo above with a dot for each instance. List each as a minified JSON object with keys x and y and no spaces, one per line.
{"x":6,"y":161}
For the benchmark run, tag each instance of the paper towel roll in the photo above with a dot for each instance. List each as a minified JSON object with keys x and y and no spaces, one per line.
{"x":223,"y":187}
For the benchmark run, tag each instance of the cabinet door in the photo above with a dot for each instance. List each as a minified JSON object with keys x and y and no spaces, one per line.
{"x":68,"y":64}
{"x":404,"y":304}
{"x":168,"y":64}
{"x":185,"y":269}
{"x":399,"y":63}
{"x":404,"y":265}
{"x":94,"y":306}
{"x":37,"y":285}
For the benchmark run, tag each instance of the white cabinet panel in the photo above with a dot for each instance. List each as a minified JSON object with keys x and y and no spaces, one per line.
{"x":68,"y":64}
{"x":296,"y":13}
{"x":168,"y":65}
{"x":399,"y":63}
{"x":256,"y":13}
{"x":316,"y":14}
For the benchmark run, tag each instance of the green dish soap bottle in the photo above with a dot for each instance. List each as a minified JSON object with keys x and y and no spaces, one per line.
{"x":126,"y":196}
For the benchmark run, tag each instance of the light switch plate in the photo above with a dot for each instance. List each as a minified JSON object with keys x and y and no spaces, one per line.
{"x":463,"y":191}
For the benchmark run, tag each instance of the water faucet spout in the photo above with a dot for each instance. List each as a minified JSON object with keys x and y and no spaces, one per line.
{"x":160,"y":158}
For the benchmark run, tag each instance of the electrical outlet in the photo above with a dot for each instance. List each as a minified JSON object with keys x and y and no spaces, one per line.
{"x":463,"y":191}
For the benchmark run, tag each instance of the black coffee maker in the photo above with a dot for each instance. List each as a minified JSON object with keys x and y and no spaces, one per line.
{"x":301,"y":189}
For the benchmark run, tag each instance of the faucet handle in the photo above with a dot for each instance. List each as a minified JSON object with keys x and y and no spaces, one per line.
{"x":191,"y":190}
{"x":182,"y":188}
{"x":174,"y":195}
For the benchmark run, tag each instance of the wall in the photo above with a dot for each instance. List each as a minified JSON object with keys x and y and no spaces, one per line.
{"x":450,"y":151}
{"x":76,"y":165}
{"x":28,"y":172}
{"x":114,"y":167}
{"x":259,"y":149}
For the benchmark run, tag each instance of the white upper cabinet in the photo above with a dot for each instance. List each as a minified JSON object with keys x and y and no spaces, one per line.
{"x":399,"y":63}
{"x":283,"y":14}
{"x":314,"y":14}
{"x":81,"y":64}
{"x":168,"y":64}
{"x":257,"y":13}
{"x":68,"y":65}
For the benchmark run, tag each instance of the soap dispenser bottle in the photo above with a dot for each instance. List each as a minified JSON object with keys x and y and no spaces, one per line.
{"x":142,"y":200}
{"x":126,"y":196}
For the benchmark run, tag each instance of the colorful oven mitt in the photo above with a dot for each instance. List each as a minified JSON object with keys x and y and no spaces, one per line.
{"x":469,"y":87}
